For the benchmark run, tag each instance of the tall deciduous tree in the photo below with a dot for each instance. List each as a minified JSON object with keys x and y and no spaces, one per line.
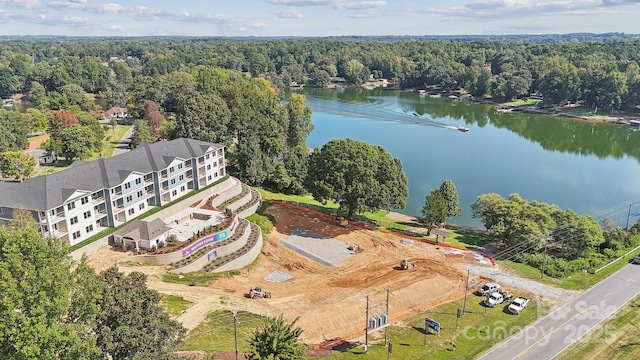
{"x":17,"y":164}
{"x":450,"y":194}
{"x":61,"y":119}
{"x":434,"y":211}
{"x":47,"y":311}
{"x":13,"y":130}
{"x":358,"y":176}
{"x":37,"y":119}
{"x":132,"y":324}
{"x":141,"y":134}
{"x":77,"y":142}
{"x":153,"y":117}
{"x":278,"y":340}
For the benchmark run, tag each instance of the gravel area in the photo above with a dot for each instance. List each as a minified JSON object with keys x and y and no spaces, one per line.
{"x":330,"y":250}
{"x":278,"y":276}
{"x":535,"y":287}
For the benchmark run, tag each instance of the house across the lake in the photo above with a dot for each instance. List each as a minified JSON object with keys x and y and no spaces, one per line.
{"x":116,"y":113}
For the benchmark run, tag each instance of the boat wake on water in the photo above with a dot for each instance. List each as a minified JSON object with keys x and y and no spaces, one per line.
{"x":372,"y":111}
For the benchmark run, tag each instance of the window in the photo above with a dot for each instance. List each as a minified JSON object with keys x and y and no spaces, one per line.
{"x":173,"y":181}
{"x":84,"y":200}
{"x":52,"y":212}
{"x":140,"y":193}
{"x":89,"y":228}
{"x":179,"y":166}
{"x":127,"y":185}
{"x":87,"y":214}
{"x":76,"y":235}
{"x":182,"y":188}
{"x":129,"y":198}
{"x":207,"y":156}
{"x":181,"y":177}
{"x":215,"y":163}
{"x":138,"y":181}
{"x":171,"y":169}
{"x":209,"y":178}
{"x":74,"y":220}
{"x":174,"y":192}
{"x":131,"y":211}
{"x":141,"y":206}
{"x":71,"y":205}
{"x":209,"y":167}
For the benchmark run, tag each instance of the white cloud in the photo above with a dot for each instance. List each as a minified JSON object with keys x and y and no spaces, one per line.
{"x":303,"y":2}
{"x":288,"y":14}
{"x":27,"y":4}
{"x":361,"y":5}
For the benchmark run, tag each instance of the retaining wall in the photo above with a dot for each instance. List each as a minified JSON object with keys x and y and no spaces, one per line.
{"x":306,"y":253}
{"x":222,"y":188}
{"x":229,"y":194}
{"x":225,"y":250}
{"x":248,"y":257}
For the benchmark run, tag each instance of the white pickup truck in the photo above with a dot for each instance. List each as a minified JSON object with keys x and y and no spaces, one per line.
{"x":494,"y":299}
{"x":518,"y":305}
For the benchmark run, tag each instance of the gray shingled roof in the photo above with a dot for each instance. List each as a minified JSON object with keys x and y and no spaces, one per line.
{"x":143,"y":230}
{"x":47,"y":192}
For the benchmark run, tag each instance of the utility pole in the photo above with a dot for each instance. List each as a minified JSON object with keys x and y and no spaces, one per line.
{"x":235,"y":331}
{"x":366,"y":327}
{"x":386,"y":329}
{"x":628,"y":216}
{"x":544,"y":258}
{"x":466,"y":289}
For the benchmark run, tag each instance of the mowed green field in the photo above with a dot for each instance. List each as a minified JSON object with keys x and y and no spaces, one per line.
{"x":616,"y":338}
{"x":407,"y":336}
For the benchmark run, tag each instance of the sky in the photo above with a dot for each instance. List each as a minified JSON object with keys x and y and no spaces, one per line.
{"x":316,"y":18}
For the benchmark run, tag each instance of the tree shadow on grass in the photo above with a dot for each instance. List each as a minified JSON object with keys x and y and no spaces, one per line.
{"x":471,"y":239}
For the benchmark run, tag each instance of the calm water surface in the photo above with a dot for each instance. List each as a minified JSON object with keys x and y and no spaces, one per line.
{"x":589,"y":168}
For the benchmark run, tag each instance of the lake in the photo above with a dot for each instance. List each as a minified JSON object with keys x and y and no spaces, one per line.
{"x":588,"y":168}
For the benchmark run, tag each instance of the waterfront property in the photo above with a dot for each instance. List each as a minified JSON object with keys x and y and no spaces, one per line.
{"x":79,"y":202}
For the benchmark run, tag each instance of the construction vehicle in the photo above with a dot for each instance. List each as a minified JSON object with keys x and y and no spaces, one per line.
{"x":406,"y":264}
{"x":356,"y":248}
{"x":342,"y":221}
{"x":256,"y":292}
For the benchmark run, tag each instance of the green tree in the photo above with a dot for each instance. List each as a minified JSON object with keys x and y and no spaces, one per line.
{"x":132,"y":324}
{"x":202,"y":116}
{"x":37,"y":96}
{"x":561,"y":83}
{"x":38,"y":120}
{"x":77,"y":142}
{"x":13,"y":130}
{"x":17,"y":164}
{"x":357,"y":176}
{"x":278,"y":340}
{"x":434,"y":211}
{"x":450,"y":194}
{"x":46,"y":309}
{"x":9,"y":83}
{"x":141,"y":134}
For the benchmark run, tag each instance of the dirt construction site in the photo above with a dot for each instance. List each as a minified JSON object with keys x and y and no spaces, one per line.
{"x":326,"y":292}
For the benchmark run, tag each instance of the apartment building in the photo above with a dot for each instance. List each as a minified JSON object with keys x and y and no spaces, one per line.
{"x":77,"y":203}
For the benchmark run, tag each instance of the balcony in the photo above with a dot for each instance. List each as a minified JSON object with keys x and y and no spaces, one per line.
{"x":148,"y":181}
{"x":59,"y":216}
{"x":97,"y":200}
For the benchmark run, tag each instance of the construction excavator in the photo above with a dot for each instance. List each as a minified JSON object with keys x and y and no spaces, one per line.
{"x":406,"y":264}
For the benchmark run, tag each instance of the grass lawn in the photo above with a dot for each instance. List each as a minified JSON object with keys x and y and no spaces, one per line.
{"x":409,"y":341}
{"x":585,"y":112}
{"x":215,"y":333}
{"x":616,"y":338}
{"x":523,"y":102}
{"x":175,"y":305}
{"x":111,"y":141}
{"x":330,"y":207}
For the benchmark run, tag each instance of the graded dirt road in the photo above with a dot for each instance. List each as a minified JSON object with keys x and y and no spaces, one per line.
{"x":330,"y":302}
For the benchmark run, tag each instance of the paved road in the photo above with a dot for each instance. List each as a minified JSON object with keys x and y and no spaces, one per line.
{"x":124,"y":144}
{"x":553,"y":333}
